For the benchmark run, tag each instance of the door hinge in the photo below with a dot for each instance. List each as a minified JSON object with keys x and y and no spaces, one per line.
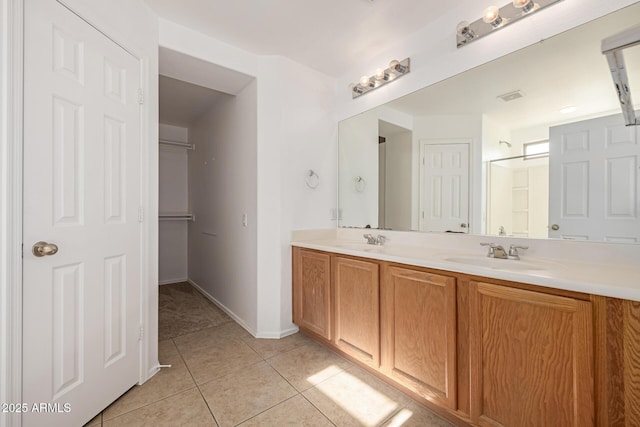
{"x":422,"y":214}
{"x":140,"y":214}
{"x":140,"y":333}
{"x":140,"y":96}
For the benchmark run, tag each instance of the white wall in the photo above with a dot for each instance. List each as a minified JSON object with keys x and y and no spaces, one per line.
{"x":173,"y":199}
{"x":222,"y":187}
{"x":296,"y":132}
{"x":399,"y":150}
{"x":358,"y":157}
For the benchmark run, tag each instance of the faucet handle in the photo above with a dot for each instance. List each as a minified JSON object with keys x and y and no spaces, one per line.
{"x":513,"y":251}
{"x":492,"y":249}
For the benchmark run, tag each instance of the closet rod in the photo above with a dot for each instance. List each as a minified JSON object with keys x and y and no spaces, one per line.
{"x":179,"y":144}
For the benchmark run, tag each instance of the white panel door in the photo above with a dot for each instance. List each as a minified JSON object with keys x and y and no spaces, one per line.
{"x":445,"y":188}
{"x":81,"y":192}
{"x":594,"y":181}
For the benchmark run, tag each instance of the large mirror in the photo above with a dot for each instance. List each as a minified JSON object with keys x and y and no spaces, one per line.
{"x":531,"y":145}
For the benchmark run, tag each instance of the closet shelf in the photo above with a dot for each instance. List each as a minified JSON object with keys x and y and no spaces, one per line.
{"x":178,"y":144}
{"x":177,"y":217}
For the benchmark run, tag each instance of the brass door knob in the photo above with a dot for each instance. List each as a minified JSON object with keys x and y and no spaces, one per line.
{"x":41,"y":249}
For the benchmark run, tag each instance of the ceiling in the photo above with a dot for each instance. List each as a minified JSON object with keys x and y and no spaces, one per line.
{"x":329,"y":36}
{"x":182,"y":103}
{"x":568,"y":69}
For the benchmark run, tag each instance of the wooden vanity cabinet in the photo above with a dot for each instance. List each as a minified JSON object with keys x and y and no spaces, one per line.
{"x":419,"y":332}
{"x":312,"y":291}
{"x":531,"y":358}
{"x":356,"y":293}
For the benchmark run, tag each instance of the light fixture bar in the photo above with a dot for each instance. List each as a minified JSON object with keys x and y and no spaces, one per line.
{"x":381,"y":77}
{"x":493,"y":19}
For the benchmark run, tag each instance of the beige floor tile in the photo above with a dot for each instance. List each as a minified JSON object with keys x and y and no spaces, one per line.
{"x":167,"y":382}
{"x":356,"y":398}
{"x":218,"y":358}
{"x":268,"y":348}
{"x":95,"y":421}
{"x":295,"y":412}
{"x":308,"y":365}
{"x":185,"y":409}
{"x":415,"y":415}
{"x":182,"y":309}
{"x":211,"y":336}
{"x":240,"y":396}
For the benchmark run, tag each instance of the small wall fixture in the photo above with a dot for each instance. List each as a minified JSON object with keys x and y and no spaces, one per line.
{"x":380,"y":77}
{"x":494,"y":18}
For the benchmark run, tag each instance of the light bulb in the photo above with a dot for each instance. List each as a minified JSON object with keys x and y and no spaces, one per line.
{"x":397,"y":67}
{"x":365,"y":80}
{"x":379,"y":74}
{"x":463,"y":30}
{"x":462,"y":27}
{"x":492,"y":16}
{"x":526,"y":5}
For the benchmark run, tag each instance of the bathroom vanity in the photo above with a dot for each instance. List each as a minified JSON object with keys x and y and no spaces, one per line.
{"x":481,"y":341}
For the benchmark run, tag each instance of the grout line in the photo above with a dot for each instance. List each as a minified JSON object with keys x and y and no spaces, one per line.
{"x":196,"y":383}
{"x":317,"y":409}
{"x":269,"y":408}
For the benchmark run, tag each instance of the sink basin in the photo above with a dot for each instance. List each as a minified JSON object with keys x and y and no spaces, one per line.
{"x":498,"y":264}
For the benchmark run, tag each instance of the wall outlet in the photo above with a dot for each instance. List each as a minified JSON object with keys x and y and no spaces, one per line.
{"x":336,"y":214}
{"x":244,"y":220}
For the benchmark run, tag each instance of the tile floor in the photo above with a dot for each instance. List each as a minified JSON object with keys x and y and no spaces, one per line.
{"x":222,"y":376}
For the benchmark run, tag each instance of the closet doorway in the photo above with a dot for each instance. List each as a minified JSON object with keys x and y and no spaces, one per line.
{"x":208,"y":183}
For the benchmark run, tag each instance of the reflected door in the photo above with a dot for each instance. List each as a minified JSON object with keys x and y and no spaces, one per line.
{"x":444,"y":198}
{"x":81,"y":331}
{"x":594,"y":181}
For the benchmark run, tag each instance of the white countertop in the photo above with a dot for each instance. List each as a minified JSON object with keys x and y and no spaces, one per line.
{"x":621,"y":280}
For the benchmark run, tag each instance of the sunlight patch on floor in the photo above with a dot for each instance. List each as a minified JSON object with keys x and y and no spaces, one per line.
{"x":359,"y":400}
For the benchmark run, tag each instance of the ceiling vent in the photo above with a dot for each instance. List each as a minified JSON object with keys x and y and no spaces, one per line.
{"x":506,"y":97}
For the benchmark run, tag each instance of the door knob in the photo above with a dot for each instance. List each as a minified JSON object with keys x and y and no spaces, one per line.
{"x":41,"y":249}
{"x":555,"y":227}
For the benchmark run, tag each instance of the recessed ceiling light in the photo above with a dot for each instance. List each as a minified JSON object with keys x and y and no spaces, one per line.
{"x":568,"y":109}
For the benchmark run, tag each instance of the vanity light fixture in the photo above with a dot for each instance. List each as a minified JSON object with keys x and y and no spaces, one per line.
{"x":380,"y":77}
{"x":495,"y":18}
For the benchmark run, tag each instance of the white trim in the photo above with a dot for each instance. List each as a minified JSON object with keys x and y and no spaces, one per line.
{"x":173,"y":281}
{"x":224,"y":308}
{"x":11,"y":22}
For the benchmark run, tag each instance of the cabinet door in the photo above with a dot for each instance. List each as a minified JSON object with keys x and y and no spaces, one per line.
{"x":312,"y":291}
{"x":531,"y":358}
{"x":419,"y":332}
{"x":357,"y":308}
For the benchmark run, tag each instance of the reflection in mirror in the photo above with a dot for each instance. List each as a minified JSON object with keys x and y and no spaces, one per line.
{"x":428,"y":158}
{"x":517,"y":196}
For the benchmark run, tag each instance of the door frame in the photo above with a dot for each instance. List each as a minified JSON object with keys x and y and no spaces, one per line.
{"x":11,"y":195}
{"x":421,"y":167}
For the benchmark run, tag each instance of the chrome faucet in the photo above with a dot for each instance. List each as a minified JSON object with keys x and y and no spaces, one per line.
{"x":375,"y":240}
{"x":513,"y":251}
{"x":495,"y":251}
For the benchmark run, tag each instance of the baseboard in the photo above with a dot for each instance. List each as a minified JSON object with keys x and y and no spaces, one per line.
{"x":224,"y":308}
{"x":277,"y":335}
{"x":172,"y":281}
